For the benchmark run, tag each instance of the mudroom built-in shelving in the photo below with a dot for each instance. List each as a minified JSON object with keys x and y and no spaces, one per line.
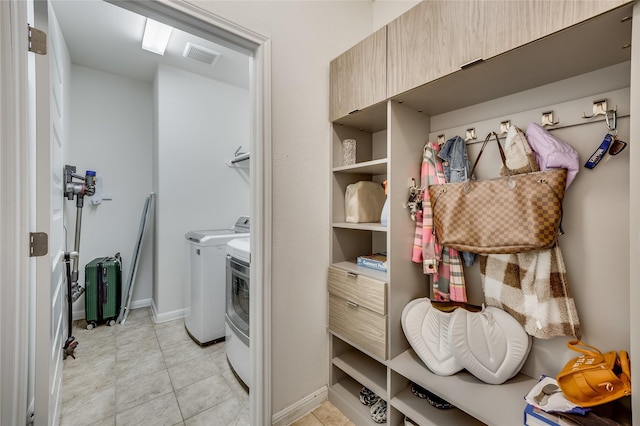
{"x":565,"y":57}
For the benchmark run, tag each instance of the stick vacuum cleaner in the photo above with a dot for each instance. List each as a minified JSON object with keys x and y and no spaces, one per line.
{"x":78,"y":190}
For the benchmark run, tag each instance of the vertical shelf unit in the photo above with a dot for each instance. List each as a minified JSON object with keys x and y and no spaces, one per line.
{"x":390,"y":136}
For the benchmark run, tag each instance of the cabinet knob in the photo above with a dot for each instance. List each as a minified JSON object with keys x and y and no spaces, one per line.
{"x":352,"y":274}
{"x":352,"y":304}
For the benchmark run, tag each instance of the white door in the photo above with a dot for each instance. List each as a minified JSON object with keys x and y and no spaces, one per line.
{"x":47,"y":183}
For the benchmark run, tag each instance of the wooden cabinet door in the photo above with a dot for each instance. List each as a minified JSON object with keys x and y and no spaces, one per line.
{"x":433,"y":39}
{"x":358,"y":77}
{"x":509,"y":24}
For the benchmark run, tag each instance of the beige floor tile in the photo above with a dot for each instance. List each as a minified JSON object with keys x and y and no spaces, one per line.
{"x":228,"y":413}
{"x":137,"y":349}
{"x":172,"y":336}
{"x":202,"y":395}
{"x":130,"y":393}
{"x":161,"y":411}
{"x":175,"y":355}
{"x":192,"y":371}
{"x":329,"y":415}
{"x":89,"y":408}
{"x":79,"y":387}
{"x":133,"y":335}
{"x":141,"y":366}
{"x":308,"y":420}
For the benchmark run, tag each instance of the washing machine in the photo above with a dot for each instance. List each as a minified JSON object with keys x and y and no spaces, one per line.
{"x":237,"y":307}
{"x":205,"y":281}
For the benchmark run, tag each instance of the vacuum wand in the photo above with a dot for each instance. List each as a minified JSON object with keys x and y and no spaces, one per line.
{"x":87,"y":186}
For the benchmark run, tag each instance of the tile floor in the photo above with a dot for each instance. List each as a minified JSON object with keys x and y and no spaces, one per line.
{"x":325,"y":415}
{"x":141,"y":373}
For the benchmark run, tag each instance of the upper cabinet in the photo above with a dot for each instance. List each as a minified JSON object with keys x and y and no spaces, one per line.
{"x":509,"y":24}
{"x":431,"y":40}
{"x":439,"y":37}
{"x":358,"y":77}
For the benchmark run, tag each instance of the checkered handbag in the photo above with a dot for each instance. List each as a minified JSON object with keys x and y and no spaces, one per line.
{"x":510,"y":214}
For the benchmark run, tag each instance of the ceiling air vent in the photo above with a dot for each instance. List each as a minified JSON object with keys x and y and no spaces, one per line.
{"x":200,"y":54}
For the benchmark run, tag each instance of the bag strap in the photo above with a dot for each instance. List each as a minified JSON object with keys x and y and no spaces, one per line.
{"x":578,"y":346}
{"x":624,"y":363}
{"x":502,"y":156}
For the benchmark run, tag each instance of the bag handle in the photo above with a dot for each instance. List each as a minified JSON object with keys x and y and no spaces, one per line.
{"x":502,"y":156}
{"x":579,"y":346}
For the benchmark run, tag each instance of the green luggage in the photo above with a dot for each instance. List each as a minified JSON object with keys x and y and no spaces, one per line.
{"x":103,"y":287}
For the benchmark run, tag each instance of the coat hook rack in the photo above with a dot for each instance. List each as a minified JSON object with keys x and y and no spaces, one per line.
{"x":504,"y":126}
{"x":599,"y":108}
{"x":548,"y":119}
{"x":441,"y":139}
{"x":471,"y":135}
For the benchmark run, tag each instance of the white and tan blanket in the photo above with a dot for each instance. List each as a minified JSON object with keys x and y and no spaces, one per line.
{"x":534,"y":289}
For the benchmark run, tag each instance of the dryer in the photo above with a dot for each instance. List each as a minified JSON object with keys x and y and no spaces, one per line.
{"x":205,"y":277}
{"x":237,"y":308}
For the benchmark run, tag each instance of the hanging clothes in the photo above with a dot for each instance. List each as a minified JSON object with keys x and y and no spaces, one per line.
{"x":457,"y":168}
{"x":442,"y":263}
{"x":533,"y":287}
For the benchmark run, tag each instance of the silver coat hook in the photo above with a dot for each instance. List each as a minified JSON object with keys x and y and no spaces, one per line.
{"x":548,"y":119}
{"x":599,"y":108}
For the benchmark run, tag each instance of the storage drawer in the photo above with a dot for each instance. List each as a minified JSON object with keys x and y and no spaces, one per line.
{"x":359,"y":289}
{"x":358,"y":324}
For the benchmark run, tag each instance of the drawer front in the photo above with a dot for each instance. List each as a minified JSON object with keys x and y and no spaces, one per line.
{"x":359,"y":289}
{"x":358,"y":324}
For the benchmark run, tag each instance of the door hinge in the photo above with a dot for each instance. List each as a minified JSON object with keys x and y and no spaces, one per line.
{"x":38,"y":244}
{"x":37,"y":41}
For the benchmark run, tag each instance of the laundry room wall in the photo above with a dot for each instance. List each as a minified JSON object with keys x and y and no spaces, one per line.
{"x":305,"y":36}
{"x":199,"y":125}
{"x":110,"y":132}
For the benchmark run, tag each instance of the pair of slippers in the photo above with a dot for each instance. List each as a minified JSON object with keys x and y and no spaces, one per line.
{"x":431,"y":398}
{"x":378,"y":405}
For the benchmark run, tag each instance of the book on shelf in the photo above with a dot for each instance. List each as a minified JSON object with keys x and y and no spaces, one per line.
{"x":536,"y":417}
{"x":377,"y":261}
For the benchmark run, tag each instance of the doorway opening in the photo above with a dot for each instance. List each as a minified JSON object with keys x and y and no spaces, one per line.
{"x":240,"y":65}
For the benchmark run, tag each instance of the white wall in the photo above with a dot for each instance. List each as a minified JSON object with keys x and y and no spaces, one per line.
{"x":200,"y":123}
{"x":110,"y":132}
{"x":305,"y":37}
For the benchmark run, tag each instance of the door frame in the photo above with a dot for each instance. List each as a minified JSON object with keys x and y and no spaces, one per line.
{"x":15,"y":187}
{"x":202,"y":23}
{"x":14,"y":214}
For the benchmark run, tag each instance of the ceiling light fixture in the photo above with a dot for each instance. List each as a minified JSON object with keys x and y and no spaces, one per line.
{"x":156,"y":36}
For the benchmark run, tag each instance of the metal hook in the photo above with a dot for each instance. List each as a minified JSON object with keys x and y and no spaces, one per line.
{"x":614,"y":119}
{"x":547,"y":119}
{"x":599,"y":108}
{"x":505,"y":126}
{"x":235,"y":154}
{"x":471,"y":135}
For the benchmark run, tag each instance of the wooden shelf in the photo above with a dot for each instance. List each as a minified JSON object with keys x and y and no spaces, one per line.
{"x":345,"y":395}
{"x":367,"y":371}
{"x":374,"y":167}
{"x":375,"y":226}
{"x":422,"y":413}
{"x":467,"y":392}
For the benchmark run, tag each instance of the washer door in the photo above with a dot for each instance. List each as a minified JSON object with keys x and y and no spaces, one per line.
{"x":237,"y":307}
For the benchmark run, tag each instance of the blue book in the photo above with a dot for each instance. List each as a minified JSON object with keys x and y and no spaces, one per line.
{"x":536,"y":417}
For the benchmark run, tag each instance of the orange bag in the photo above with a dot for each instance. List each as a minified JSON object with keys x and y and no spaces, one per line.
{"x":595,"y":378}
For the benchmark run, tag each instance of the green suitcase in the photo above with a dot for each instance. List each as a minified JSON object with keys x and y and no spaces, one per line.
{"x":103,"y":287}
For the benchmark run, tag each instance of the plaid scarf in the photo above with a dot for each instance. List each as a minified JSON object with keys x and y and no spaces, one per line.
{"x":442,"y":263}
{"x":534,"y":289}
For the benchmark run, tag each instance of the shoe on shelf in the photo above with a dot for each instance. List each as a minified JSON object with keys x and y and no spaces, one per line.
{"x":431,"y":398}
{"x":379,"y":411}
{"x":367,"y":397}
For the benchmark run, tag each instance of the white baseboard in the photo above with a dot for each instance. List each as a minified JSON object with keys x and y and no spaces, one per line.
{"x":166,"y":316}
{"x":135,"y":304}
{"x":301,"y":408}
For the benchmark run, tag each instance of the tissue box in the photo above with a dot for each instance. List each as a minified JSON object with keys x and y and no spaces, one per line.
{"x":363,"y":202}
